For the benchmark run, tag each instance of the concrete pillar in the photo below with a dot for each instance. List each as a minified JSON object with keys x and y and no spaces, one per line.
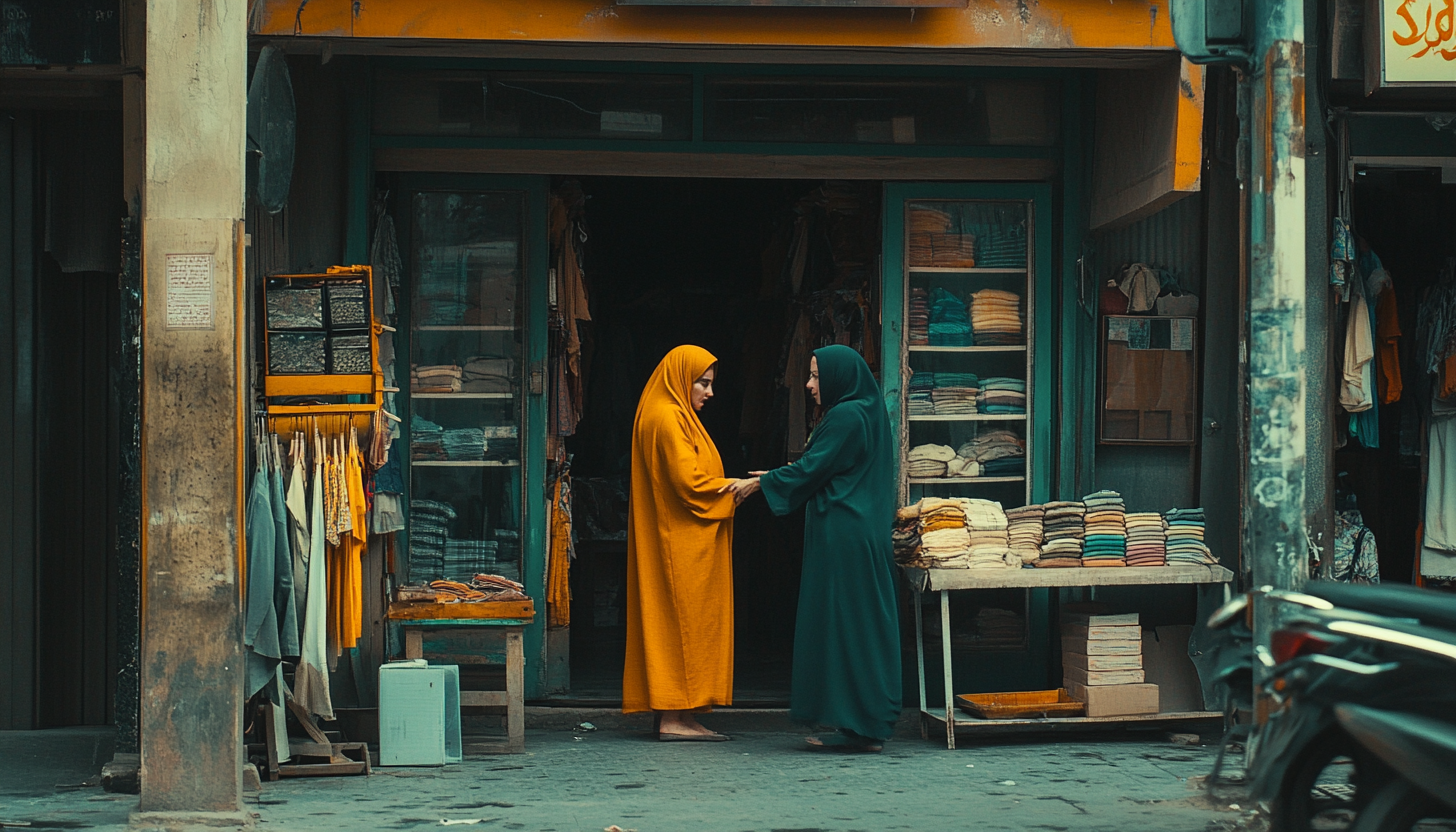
{"x":1274,"y":123}
{"x":193,"y":414}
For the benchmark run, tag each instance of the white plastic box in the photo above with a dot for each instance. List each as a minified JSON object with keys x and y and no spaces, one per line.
{"x":419,"y":714}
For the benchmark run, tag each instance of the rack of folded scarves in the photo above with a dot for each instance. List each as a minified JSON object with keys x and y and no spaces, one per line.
{"x":1096,"y":532}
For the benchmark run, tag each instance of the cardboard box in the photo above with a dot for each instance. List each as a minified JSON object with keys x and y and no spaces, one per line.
{"x":1116,"y":700}
{"x":1103,"y":632}
{"x":1072,"y":673}
{"x":1082,"y":619}
{"x":1094,"y":662}
{"x":1102,"y":647}
{"x":1166,"y":663}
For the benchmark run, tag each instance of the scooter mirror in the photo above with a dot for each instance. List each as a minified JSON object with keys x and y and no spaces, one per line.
{"x":1228,"y":613}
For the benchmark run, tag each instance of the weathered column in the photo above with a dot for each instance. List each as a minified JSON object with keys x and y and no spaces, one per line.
{"x":193,"y":414}
{"x":1274,"y":512}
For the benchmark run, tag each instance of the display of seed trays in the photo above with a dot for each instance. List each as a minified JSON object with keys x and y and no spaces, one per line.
{"x":348,"y":306}
{"x":296,"y":353}
{"x":349,"y":353}
{"x":290,"y":308}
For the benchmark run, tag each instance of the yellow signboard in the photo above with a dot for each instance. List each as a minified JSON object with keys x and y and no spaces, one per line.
{"x":1417,"y":42}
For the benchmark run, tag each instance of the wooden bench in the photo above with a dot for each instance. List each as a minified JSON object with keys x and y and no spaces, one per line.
{"x":508,"y":616}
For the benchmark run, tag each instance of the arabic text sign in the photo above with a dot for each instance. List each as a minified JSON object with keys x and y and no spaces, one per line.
{"x":1418,"y":41}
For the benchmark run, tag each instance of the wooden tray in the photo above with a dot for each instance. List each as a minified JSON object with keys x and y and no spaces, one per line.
{"x":478,"y":609}
{"x":1031,"y":703}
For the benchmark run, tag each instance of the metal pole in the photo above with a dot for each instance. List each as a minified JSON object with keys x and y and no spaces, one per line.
{"x":1274,"y":502}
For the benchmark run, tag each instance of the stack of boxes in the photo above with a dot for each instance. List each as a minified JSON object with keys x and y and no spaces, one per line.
{"x":1102,"y":664}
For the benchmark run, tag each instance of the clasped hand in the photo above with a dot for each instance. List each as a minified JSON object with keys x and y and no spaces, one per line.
{"x":743,"y":488}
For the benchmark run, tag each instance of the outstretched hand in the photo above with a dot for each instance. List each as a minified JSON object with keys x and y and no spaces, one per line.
{"x":742,"y":489}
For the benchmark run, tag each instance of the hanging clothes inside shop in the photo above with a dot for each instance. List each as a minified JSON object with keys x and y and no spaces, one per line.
{"x":311,"y":678}
{"x":562,"y":552}
{"x":569,"y":306}
{"x":270,"y":624}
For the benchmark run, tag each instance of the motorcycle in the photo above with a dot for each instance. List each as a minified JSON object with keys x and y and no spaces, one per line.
{"x":1306,"y":766}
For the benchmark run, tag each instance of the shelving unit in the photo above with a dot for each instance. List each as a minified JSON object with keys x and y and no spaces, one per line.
{"x":467,"y":256}
{"x":986,"y":231}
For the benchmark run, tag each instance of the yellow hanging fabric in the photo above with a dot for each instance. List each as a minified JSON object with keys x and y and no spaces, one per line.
{"x":558,"y":582}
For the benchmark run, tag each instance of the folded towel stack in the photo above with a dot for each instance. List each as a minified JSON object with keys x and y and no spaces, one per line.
{"x":918,"y":323}
{"x":1000,"y":453}
{"x":465,"y":558}
{"x":990,"y":546}
{"x":427,"y":439}
{"x":1062,"y":533}
{"x":1185,"y":537}
{"x":945,"y":542}
{"x":922,"y":390}
{"x":487,"y":374}
{"x":428,"y":534}
{"x":436,"y":378}
{"x":929,"y":460}
{"x":1024,"y":532}
{"x":1003,"y":395}
{"x":950,"y":325}
{"x":1146,"y":539}
{"x":996,"y":317}
{"x":1105,"y":543}
{"x":464,"y":444}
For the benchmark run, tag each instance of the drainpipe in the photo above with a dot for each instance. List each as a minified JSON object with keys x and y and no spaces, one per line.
{"x":1274,"y":125}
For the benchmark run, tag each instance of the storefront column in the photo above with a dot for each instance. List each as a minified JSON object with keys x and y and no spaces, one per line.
{"x":193,"y":414}
{"x":1273,"y":117}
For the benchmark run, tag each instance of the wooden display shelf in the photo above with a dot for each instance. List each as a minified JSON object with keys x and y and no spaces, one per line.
{"x":972,"y":417}
{"x":963,"y":270}
{"x":465,"y":463}
{"x":994,"y":348}
{"x":462,"y":395}
{"x":932,"y":720}
{"x":936,"y":580}
{"x":320,"y":385}
{"x":519,"y":611}
{"x":961,"y":480}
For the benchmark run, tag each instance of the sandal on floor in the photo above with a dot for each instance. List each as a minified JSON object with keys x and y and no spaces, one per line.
{"x":844,"y":745}
{"x":663,"y":736}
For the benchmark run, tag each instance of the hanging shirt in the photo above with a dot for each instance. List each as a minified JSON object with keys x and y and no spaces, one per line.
{"x":1357,"y":381}
{"x":1387,"y":336}
{"x":1356,"y":558}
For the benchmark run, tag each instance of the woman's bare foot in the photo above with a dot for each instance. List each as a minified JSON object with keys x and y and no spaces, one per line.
{"x":681,"y":723}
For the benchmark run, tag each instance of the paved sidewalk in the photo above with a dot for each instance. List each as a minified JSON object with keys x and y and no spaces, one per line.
{"x":761,"y":781}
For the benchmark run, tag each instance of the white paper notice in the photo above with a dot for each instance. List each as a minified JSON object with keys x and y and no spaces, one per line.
{"x":189,"y":291}
{"x":1182,"y":335}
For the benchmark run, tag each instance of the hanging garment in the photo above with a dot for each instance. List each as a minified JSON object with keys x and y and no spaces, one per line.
{"x":297,"y":502}
{"x":1387,"y":340}
{"x":1365,"y":424}
{"x":1356,"y":388}
{"x":1356,"y":559}
{"x":846,"y":636}
{"x":796,"y":375}
{"x":558,"y":576}
{"x":351,"y":550}
{"x":1141,"y":287}
{"x":260,"y":629}
{"x":283,"y":602}
{"x":679,"y":550}
{"x":1438,"y":550}
{"x":311,"y":680}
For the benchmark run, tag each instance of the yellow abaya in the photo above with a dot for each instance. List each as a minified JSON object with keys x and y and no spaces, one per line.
{"x":679,"y":551}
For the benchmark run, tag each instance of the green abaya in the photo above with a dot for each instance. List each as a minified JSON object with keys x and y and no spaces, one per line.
{"x":846,"y":640}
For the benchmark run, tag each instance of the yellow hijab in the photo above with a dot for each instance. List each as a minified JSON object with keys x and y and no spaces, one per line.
{"x":671,"y":387}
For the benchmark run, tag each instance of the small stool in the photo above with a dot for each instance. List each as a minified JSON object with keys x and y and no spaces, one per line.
{"x":510,"y":616}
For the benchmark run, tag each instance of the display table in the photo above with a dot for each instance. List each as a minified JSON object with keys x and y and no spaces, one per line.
{"x":467,"y":619}
{"x":945,"y":581}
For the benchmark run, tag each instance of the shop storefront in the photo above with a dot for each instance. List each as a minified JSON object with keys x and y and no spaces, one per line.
{"x":548,"y":208}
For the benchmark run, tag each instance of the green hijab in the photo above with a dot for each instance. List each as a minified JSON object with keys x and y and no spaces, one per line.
{"x":846,"y":384}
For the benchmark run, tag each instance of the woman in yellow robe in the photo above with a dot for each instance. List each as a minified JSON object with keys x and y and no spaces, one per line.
{"x":679,"y":555}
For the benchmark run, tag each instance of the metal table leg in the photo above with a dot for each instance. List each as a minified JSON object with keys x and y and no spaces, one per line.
{"x":920,"y":658}
{"x":946,"y":669}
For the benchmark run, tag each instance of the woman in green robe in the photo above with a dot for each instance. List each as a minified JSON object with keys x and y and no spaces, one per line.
{"x":846,"y":639}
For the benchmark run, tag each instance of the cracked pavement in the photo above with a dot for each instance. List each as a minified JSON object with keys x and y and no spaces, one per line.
{"x":760,"y":782}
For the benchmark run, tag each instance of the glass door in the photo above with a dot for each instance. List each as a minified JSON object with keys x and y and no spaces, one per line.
{"x":473,"y":325}
{"x":968,"y":380}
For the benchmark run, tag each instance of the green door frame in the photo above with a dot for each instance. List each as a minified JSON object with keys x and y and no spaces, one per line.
{"x":535,"y":189}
